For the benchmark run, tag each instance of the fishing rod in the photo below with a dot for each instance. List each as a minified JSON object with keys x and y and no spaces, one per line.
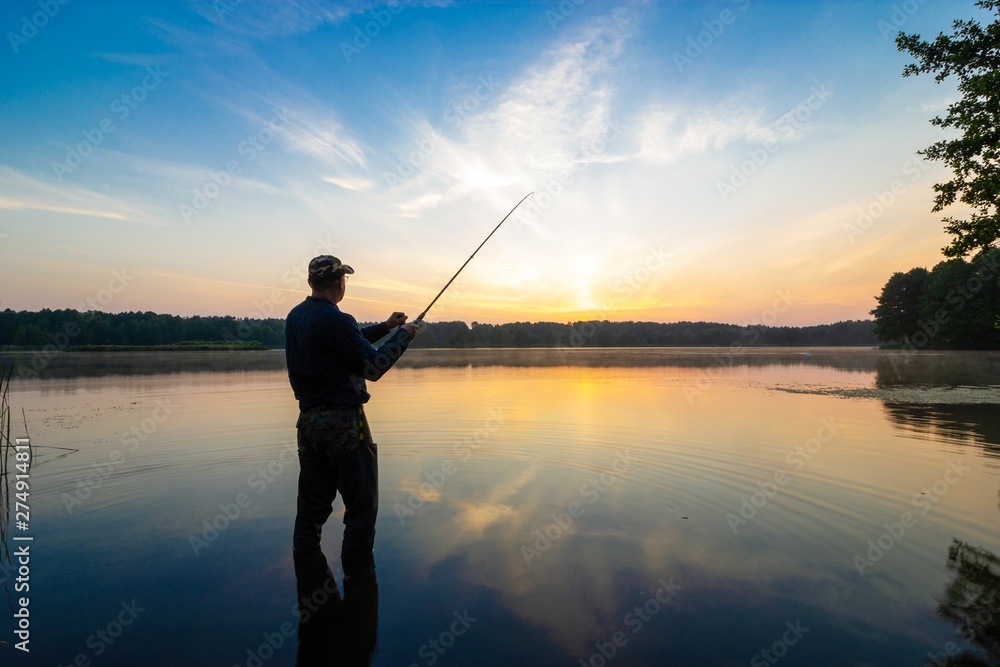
{"x":420,"y":318}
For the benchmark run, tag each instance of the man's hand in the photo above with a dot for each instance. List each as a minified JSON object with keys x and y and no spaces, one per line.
{"x":411,"y":329}
{"x":395,"y":320}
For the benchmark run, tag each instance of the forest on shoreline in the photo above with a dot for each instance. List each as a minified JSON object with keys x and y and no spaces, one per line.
{"x":74,"y":330}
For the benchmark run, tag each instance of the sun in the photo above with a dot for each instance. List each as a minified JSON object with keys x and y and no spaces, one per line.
{"x":585,"y":274}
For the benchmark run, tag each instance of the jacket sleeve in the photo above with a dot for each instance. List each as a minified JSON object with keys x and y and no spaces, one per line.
{"x":358,"y":355}
{"x":375,"y":331}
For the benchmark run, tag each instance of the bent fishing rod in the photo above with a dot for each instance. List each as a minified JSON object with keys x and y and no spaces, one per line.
{"x":420,"y":318}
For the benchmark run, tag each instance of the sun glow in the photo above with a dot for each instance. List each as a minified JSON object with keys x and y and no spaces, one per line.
{"x":585,"y":277}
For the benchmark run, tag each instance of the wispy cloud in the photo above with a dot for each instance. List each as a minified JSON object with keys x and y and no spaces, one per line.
{"x":21,"y":192}
{"x":302,"y":124}
{"x":21,"y":204}
{"x":137,"y":59}
{"x":266,"y":18}
{"x":937,"y":105}
{"x":413,"y":207}
{"x":351,"y":182}
{"x":534,"y":126}
{"x":263,"y":18}
{"x":669,"y":134}
{"x":318,"y":133}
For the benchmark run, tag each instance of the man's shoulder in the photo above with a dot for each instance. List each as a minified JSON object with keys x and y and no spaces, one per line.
{"x":300,"y":311}
{"x":320,"y":310}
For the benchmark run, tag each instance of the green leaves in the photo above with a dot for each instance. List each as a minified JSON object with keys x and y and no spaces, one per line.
{"x":972,"y":54}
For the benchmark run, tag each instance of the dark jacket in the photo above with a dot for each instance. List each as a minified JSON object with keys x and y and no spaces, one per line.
{"x":329,"y":356}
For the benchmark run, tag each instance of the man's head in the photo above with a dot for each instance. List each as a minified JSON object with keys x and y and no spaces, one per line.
{"x":326,"y":272}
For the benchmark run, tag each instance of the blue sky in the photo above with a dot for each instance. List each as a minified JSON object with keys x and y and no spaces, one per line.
{"x":691,"y":161}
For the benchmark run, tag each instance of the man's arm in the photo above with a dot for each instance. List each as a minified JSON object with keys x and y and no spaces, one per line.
{"x":357,"y":353}
{"x":376,"y":331}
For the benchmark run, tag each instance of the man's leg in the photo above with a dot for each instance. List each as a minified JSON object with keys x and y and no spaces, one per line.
{"x":317,"y":489}
{"x":357,"y":479}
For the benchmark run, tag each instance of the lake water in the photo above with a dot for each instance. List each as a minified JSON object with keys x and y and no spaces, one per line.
{"x":538,"y":507}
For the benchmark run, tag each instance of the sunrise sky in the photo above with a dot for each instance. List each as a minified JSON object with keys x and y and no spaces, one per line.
{"x":691,"y":160}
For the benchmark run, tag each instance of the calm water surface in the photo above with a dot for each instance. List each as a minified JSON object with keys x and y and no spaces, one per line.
{"x":626,"y":507}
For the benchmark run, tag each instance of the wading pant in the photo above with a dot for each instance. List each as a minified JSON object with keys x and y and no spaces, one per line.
{"x":336,"y":453}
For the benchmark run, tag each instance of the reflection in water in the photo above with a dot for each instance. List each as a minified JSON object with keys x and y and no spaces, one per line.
{"x":27,"y":365}
{"x":896,"y":367}
{"x":860,"y":360}
{"x":332,"y":630}
{"x":486,"y":458}
{"x":977,"y":425}
{"x":30,"y":365}
{"x":972,"y":602}
{"x":891,"y":367}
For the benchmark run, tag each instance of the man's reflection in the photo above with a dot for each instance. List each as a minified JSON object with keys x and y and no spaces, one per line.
{"x":334,"y":630}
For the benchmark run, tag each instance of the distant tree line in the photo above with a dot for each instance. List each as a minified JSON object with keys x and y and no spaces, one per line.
{"x":65,"y":329}
{"x":602,"y":333}
{"x":955,"y":305}
{"x":70,"y":328}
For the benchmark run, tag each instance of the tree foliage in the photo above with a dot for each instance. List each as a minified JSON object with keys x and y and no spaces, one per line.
{"x":972,"y":54}
{"x":971,"y":602}
{"x":65,"y":329}
{"x":954,"y":306}
{"x":898,"y":311}
{"x":68,"y":328}
{"x":604,"y":333}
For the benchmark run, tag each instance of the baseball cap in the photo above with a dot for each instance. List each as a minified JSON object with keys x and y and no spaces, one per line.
{"x":327,"y":265}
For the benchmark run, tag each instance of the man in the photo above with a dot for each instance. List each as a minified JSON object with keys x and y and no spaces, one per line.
{"x":329,"y":358}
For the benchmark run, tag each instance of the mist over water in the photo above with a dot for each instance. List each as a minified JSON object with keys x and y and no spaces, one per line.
{"x":538,"y":507}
